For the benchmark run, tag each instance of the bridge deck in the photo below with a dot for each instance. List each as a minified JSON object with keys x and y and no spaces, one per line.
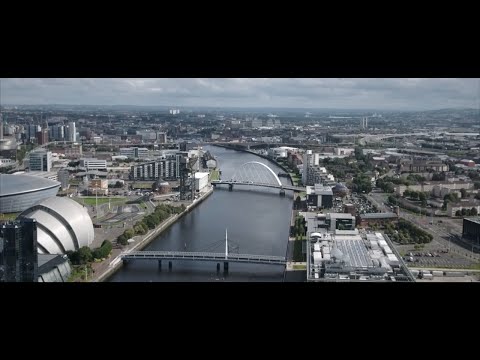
{"x":285,"y":187}
{"x":203,"y":256}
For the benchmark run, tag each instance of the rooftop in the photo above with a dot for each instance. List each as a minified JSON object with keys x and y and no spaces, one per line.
{"x":475,"y":220}
{"x":15,"y":184}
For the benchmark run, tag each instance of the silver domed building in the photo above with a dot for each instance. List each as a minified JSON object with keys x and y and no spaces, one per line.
{"x":19,"y":192}
{"x":62,"y":225}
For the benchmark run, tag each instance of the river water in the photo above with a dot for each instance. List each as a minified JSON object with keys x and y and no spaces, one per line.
{"x":257,"y":219}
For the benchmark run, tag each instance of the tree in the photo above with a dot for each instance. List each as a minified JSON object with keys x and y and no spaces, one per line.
{"x":422,"y":196}
{"x":84,"y":255}
{"x":464,"y":193}
{"x":118,"y":184}
{"x":458,"y":213}
{"x":464,"y":211}
{"x":122,"y":240}
{"x":298,"y":202}
{"x":439,"y":176}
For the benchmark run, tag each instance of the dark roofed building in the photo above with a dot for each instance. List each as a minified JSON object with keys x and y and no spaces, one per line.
{"x":377,"y":218}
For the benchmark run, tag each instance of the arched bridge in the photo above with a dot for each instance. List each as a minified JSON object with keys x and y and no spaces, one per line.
{"x":254,"y":173}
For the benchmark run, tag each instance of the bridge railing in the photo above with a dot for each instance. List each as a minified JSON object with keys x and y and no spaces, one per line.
{"x":200,"y":254}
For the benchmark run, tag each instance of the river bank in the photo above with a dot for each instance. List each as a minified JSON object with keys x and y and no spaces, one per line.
{"x":107,"y":271}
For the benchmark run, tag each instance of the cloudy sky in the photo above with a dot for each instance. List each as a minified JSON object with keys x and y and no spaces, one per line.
{"x":386,"y":94}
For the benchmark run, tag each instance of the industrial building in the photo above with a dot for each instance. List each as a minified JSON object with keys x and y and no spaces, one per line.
{"x":62,"y":225}
{"x":379,"y":219}
{"x":347,"y":255}
{"x":201,"y":180}
{"x":471,"y":229}
{"x":330,"y":221}
{"x":320,"y":196}
{"x":19,"y":192}
{"x":18,"y":251}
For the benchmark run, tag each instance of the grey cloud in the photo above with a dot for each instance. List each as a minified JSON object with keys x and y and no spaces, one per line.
{"x":248,"y":92}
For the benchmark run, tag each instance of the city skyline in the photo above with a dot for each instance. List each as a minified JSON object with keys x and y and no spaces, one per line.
{"x":349,"y":94}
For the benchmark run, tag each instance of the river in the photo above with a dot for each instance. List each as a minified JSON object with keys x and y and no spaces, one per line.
{"x":257,"y":219}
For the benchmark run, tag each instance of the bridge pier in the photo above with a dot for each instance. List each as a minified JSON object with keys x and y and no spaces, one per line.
{"x":125,"y":261}
{"x":218,"y":267}
{"x":230,"y":187}
{"x":225,"y":267}
{"x":160,"y":265}
{"x":282,"y":192}
{"x":170,"y":266}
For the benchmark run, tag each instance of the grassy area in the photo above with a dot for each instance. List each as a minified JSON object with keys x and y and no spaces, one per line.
{"x":299,"y":267}
{"x":215,"y":175}
{"x":79,"y":272}
{"x":10,"y":216}
{"x":101,"y":200}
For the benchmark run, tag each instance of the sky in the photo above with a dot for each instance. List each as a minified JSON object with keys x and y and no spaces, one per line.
{"x":381,"y":94}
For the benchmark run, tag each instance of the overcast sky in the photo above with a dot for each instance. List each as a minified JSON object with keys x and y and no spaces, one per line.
{"x":382,"y":94}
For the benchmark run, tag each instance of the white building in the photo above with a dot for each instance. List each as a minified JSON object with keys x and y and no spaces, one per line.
{"x":93,"y":164}
{"x":40,"y":160}
{"x":201,"y":180}
{"x":344,"y":151}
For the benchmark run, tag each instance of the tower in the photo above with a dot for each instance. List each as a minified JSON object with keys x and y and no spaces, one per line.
{"x":18,"y":251}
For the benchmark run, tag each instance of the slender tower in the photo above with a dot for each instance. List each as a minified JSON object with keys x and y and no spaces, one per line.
{"x":226,"y":244}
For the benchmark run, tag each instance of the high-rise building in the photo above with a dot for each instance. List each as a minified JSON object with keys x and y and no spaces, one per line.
{"x":18,"y":251}
{"x":42,"y":137}
{"x":57,"y":132}
{"x":64,"y":177}
{"x":40,"y":160}
{"x":31,"y":132}
{"x":71,"y":132}
{"x":364,"y":122}
{"x":161,"y":137}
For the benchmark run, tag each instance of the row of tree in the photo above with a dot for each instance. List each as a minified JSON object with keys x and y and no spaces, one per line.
{"x":467,"y":212}
{"x":85,"y":255}
{"x":299,"y":228}
{"x":151,"y":221}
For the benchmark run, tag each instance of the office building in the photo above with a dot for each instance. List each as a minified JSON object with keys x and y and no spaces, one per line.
{"x":42,"y":137}
{"x":71,"y":132}
{"x":63,"y":176}
{"x":93,"y":164}
{"x":134,"y":152}
{"x":40,"y":160}
{"x":319,"y":196}
{"x":18,"y":247}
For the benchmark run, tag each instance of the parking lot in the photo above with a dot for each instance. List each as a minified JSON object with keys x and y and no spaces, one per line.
{"x":362,"y":205}
{"x":435,"y":256}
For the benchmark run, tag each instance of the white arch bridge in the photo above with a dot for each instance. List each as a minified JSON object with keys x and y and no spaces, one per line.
{"x":254,"y":173}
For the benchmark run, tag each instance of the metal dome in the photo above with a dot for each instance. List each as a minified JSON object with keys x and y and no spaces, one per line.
{"x":62,"y":225}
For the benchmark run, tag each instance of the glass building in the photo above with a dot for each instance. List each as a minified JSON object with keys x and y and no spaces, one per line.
{"x":18,"y":251}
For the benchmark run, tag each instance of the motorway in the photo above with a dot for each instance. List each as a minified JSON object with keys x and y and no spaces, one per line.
{"x":447,"y":234}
